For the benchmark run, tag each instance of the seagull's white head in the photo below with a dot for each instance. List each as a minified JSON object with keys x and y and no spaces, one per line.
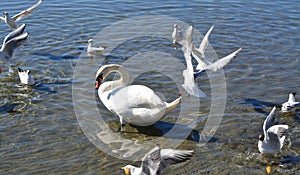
{"x":90,"y":41}
{"x":175,"y":26}
{"x":5,"y":14}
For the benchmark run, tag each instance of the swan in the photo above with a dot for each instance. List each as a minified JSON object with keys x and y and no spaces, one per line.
{"x":157,"y":160}
{"x":135,"y":104}
{"x":272,"y":139}
{"x":11,"y":21}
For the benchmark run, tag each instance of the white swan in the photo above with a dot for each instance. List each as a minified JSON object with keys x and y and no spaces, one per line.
{"x":135,"y":104}
{"x":11,"y":21}
{"x":272,"y":139}
{"x":157,"y":160}
{"x":25,"y":77}
{"x":291,"y":104}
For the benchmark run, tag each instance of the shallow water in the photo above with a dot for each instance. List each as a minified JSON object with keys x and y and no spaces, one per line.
{"x":39,"y":131}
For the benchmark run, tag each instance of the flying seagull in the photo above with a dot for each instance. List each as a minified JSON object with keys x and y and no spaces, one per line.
{"x":273,"y":138}
{"x":13,"y":40}
{"x":157,"y":160}
{"x":203,"y":63}
{"x":11,"y":21}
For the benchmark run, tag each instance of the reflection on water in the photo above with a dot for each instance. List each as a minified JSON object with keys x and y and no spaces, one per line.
{"x":39,"y":132}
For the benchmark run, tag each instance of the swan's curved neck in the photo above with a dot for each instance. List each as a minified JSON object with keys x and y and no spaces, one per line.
{"x":109,"y":85}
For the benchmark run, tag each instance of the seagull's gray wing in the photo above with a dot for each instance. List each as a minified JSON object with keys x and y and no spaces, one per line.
{"x":269,"y":121}
{"x":151,"y":161}
{"x":26,"y":12}
{"x":9,"y":47}
{"x":205,"y":42}
{"x":222,"y":62}
{"x":275,"y":135}
{"x":14,"y":33}
{"x":171,"y":156}
{"x":188,"y":39}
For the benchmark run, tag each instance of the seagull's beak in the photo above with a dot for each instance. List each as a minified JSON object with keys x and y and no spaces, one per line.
{"x":126,"y":170}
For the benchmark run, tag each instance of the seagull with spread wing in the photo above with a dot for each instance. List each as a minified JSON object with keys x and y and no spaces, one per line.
{"x":203,"y":63}
{"x":157,"y":160}
{"x":291,"y":104}
{"x":11,"y":21}
{"x":273,"y":138}
{"x":188,"y":74}
{"x":13,"y":40}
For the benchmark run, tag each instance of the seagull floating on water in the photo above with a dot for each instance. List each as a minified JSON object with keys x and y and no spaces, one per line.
{"x":291,"y":104}
{"x":203,"y":63}
{"x":25,"y":77}
{"x":177,"y":34}
{"x":11,"y":21}
{"x":94,"y":50}
{"x":157,"y":160}
{"x":13,"y":40}
{"x":273,"y":138}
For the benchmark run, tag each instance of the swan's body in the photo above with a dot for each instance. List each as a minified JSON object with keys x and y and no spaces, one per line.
{"x":25,"y":77}
{"x":291,"y":104}
{"x":157,"y":160}
{"x":177,"y":34}
{"x":135,"y":104}
{"x":91,"y":50}
{"x":13,"y":40}
{"x":11,"y":21}
{"x":273,"y":138}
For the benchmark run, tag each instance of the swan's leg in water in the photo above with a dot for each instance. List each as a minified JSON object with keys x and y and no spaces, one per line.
{"x":122,"y":124}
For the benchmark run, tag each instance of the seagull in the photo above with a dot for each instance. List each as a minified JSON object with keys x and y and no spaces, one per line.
{"x":203,"y":63}
{"x":272,"y":139}
{"x":291,"y":104}
{"x":157,"y":160}
{"x":94,"y":50}
{"x":188,"y":74}
{"x":177,"y":33}
{"x":11,"y":21}
{"x":25,"y":77}
{"x":13,"y":40}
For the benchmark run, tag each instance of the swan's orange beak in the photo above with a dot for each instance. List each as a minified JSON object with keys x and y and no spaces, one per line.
{"x":98,"y":83}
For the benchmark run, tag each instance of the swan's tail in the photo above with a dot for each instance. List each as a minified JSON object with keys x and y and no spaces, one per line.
{"x":172,"y":105}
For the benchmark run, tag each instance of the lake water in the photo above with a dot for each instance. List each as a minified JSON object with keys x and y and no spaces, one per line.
{"x":39,"y":130}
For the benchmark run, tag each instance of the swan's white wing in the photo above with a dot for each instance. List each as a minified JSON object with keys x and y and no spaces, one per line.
{"x":269,"y":121}
{"x":222,"y":62}
{"x":26,"y":12}
{"x":205,"y":41}
{"x":275,"y":135}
